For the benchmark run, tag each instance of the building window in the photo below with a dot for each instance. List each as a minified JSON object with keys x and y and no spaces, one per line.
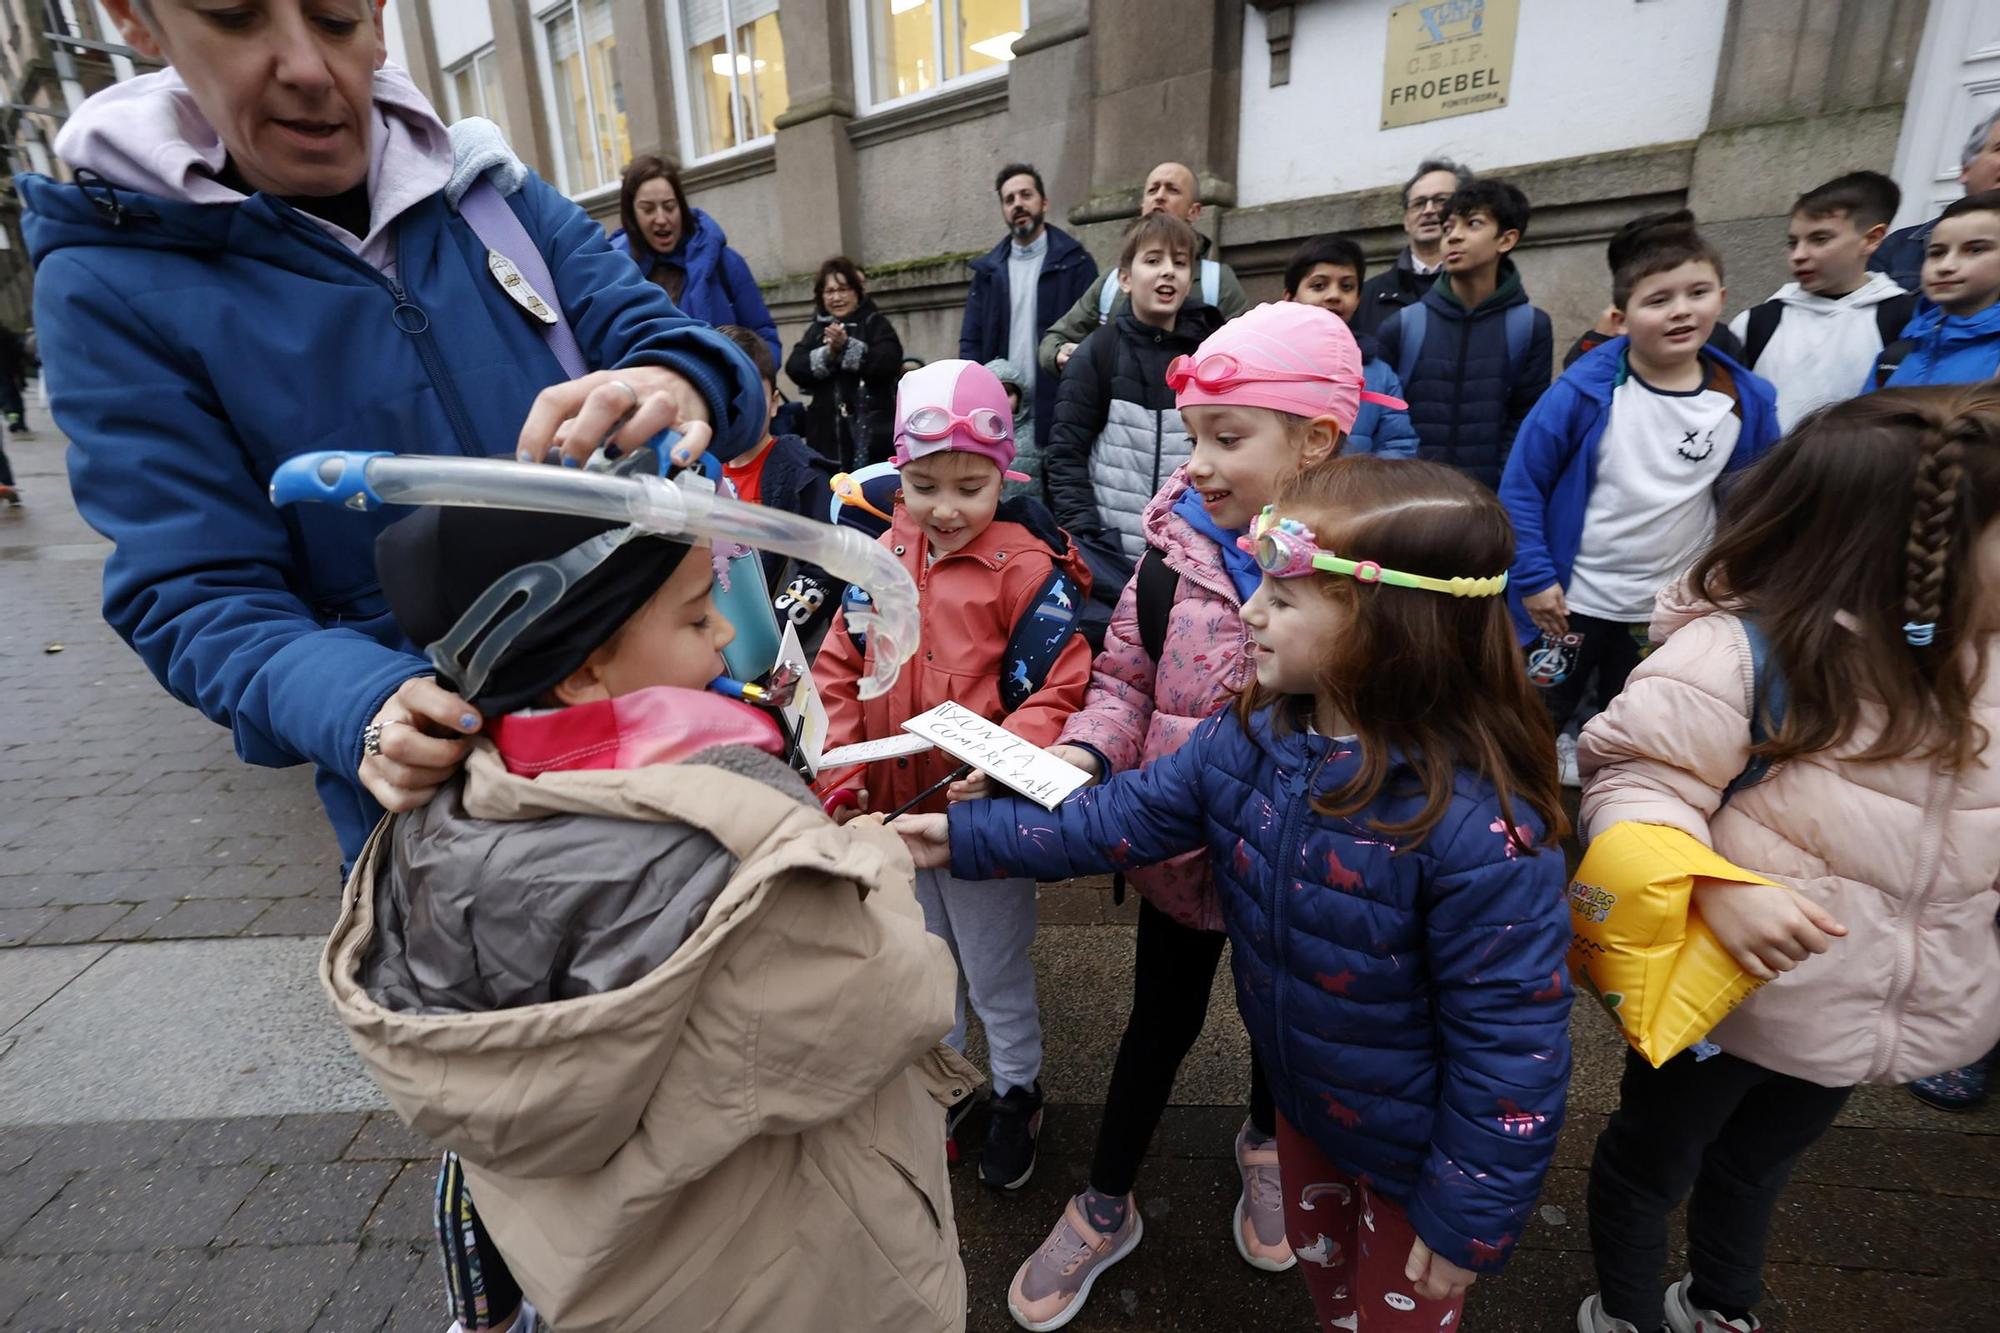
{"x":732,"y":73}
{"x":591,"y":133}
{"x":472,"y":88}
{"x":915,"y":46}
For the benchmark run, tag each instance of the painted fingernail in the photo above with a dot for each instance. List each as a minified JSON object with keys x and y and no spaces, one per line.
{"x":524,"y":457}
{"x":612,"y":451}
{"x":555,"y":452}
{"x":682,"y":456}
{"x":468,"y":722}
{"x":568,"y":461}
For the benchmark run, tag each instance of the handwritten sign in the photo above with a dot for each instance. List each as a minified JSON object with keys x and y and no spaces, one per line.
{"x":806,"y":712}
{"x":871,"y":752}
{"x":998,"y":753}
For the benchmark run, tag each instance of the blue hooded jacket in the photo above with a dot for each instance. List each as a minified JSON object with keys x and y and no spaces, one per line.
{"x":1384,"y":431}
{"x":191,"y":348}
{"x":1067,"y":272}
{"x":719,"y":288}
{"x":1546,"y":487}
{"x":1950,"y":349}
{"x":1411,"y":1011}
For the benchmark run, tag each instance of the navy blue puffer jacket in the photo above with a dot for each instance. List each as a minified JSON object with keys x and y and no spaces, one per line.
{"x":1412,"y":1011}
{"x":1467,"y":396}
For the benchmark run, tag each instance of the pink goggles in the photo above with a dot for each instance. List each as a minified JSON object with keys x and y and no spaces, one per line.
{"x":937,"y":423}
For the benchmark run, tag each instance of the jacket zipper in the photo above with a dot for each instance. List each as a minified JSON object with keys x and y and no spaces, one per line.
{"x":1929,"y":854}
{"x":1458,"y":389}
{"x":1290,"y":834}
{"x":416,"y":325}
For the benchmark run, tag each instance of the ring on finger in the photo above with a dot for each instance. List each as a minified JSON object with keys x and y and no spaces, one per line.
{"x":621,"y":384}
{"x":371,"y":740}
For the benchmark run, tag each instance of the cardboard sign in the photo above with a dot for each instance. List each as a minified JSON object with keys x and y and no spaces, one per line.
{"x":1447,"y":58}
{"x":998,"y":753}
{"x":806,"y":711}
{"x":870,"y":752}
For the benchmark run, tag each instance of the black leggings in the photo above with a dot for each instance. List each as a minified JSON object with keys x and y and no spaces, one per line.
{"x":1170,"y":986}
{"x":1732,"y":1131}
{"x":1608,"y":652}
{"x":479,"y":1287}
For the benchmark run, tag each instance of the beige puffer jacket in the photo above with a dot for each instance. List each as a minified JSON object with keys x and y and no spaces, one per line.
{"x":1905,"y":854}
{"x":747,"y":1138}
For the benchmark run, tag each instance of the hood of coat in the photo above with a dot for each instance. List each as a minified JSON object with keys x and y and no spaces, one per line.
{"x":1192,"y":324}
{"x":701,"y":247}
{"x":1508,"y":291}
{"x":1188,"y":550}
{"x":146,"y":137}
{"x":1797,"y":300}
{"x":1952,"y":332}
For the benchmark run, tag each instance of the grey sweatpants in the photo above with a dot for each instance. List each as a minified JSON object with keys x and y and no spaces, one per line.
{"x":989,"y":924}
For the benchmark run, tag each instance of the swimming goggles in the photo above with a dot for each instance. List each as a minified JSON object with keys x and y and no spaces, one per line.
{"x":936,"y":423}
{"x":1219,"y":371}
{"x":1286,"y":549}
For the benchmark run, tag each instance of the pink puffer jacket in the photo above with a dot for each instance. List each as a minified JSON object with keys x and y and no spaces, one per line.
{"x":1904,"y":854}
{"x":1137,"y":711}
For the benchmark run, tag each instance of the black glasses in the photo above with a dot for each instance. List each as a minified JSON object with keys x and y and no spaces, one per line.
{"x":1425,"y":203}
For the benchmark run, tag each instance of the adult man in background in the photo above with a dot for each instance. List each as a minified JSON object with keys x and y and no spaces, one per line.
{"x":1901,"y":254}
{"x":1404,"y":283}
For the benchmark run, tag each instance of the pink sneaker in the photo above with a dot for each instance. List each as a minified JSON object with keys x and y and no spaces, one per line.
{"x":1051,"y":1287}
{"x":1260,"y":1212}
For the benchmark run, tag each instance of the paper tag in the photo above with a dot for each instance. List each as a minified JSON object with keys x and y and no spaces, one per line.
{"x":870,"y":752}
{"x":806,"y":711}
{"x":517,"y":288}
{"x":998,"y":753}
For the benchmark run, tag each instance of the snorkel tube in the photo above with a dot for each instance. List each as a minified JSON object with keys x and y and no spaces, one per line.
{"x":366,"y":481}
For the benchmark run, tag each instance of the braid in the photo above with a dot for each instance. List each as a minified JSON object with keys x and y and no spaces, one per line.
{"x":1932,"y":524}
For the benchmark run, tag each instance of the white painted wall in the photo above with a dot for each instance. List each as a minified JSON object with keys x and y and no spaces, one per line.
{"x":460,"y":27}
{"x":1590,"y":76}
{"x":1956,"y":85}
{"x":392,"y":33}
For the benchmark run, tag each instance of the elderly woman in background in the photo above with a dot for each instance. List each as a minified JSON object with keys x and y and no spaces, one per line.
{"x":849,"y":360}
{"x":683,"y":250}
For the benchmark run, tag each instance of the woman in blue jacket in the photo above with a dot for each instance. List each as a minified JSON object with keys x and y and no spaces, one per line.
{"x":1389,"y":882}
{"x":263,"y":254}
{"x":683,"y":250}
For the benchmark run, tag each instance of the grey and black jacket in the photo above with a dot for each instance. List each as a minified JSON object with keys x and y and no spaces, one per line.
{"x":1116,"y":439}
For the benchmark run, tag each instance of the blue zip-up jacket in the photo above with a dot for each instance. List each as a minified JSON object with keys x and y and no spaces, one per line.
{"x":1950,"y":349}
{"x":1377,"y":429}
{"x":192,"y":348}
{"x":1466,"y":398}
{"x":720,"y":288}
{"x":1411,"y":1011}
{"x":1546,"y":488}
{"x":1067,"y":272}
{"x":1901,"y":254}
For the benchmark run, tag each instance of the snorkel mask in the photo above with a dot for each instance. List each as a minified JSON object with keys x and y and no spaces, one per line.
{"x":647,"y":503}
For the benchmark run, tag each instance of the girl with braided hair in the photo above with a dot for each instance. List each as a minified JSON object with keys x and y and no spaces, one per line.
{"x":1851,"y":603}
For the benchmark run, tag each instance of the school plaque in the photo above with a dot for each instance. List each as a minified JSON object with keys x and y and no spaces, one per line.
{"x":1447,"y":58}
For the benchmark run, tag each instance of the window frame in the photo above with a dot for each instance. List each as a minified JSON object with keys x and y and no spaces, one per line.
{"x":684,"y":85}
{"x":451,"y":72}
{"x":862,"y":44}
{"x":544,"y":14}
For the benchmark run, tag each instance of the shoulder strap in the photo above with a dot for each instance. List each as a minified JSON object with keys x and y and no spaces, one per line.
{"x":1038,"y":639}
{"x":1411,"y":322}
{"x":1769,"y":697}
{"x":1892,"y":315}
{"x":1107,"y":296}
{"x":1520,"y":332}
{"x":1211,"y":282}
{"x":1757,"y":332}
{"x":499,"y":230}
{"x":1891,"y":358}
{"x":1155,"y":600}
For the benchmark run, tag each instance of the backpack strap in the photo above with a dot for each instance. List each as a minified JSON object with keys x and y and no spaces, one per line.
{"x":1211,"y":282}
{"x":1757,"y":332}
{"x":1892,"y":358}
{"x":1157,"y":584}
{"x":1892,"y":315}
{"x":501,"y":232}
{"x":1411,"y":322}
{"x":1107,"y":296}
{"x":1520,"y":332}
{"x":1038,"y":639}
{"x":1769,"y":697}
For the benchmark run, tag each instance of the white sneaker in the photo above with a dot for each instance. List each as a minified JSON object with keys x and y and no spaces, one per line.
{"x":526,"y":1322}
{"x":1566,"y":760}
{"x":1684,"y":1316}
{"x":1590,"y":1318}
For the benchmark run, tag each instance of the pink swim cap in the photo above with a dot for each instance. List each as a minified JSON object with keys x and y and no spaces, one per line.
{"x":954,"y":406}
{"x":1287,"y":356}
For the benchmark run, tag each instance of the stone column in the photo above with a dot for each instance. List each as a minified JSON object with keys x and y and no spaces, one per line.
{"x":521,"y":76}
{"x":420,"y":48}
{"x":646,"y":76}
{"x":817,"y":190}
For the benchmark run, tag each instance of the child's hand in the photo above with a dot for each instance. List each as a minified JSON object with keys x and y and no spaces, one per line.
{"x":1548,"y":610}
{"x":1766,"y":928}
{"x":1078,"y":757}
{"x":928,"y":839}
{"x":976,"y":786}
{"x":1063,"y":354}
{"x":845,"y":813}
{"x":1437,"y":1278}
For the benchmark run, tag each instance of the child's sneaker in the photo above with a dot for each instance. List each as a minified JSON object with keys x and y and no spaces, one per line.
{"x":1016,"y":1122}
{"x":1684,"y":1316}
{"x":1260,"y":1210}
{"x":1566,"y":761}
{"x":10,"y":495}
{"x":1050,"y":1288}
{"x":1955,"y":1089}
{"x":1590,"y":1318}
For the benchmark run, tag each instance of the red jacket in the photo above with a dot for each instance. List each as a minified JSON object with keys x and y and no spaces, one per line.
{"x":968,"y":603}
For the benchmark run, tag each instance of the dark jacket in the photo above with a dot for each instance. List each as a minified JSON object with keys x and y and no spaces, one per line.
{"x":799,"y":481}
{"x":1067,"y":272}
{"x":718,"y":288}
{"x":1546,"y":487}
{"x":194,"y":347}
{"x":853,"y":414}
{"x":1410,"y":1009}
{"x":1117,"y":438}
{"x":1389,"y":291}
{"x":1465,"y":400}
{"x":1901,"y":255}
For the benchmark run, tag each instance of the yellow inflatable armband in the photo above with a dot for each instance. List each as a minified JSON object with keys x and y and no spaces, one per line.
{"x":1637,"y":944}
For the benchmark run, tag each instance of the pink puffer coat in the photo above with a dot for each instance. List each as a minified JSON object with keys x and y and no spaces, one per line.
{"x":1905,"y":854}
{"x":1137,"y":711}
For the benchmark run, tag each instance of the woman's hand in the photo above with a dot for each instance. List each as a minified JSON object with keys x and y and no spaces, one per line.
{"x":1549,"y":610}
{"x":423,"y":726}
{"x":836,"y":337}
{"x":623,"y":408}
{"x":928,"y":839}
{"x":1437,"y":1278}
{"x":1766,"y":928}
